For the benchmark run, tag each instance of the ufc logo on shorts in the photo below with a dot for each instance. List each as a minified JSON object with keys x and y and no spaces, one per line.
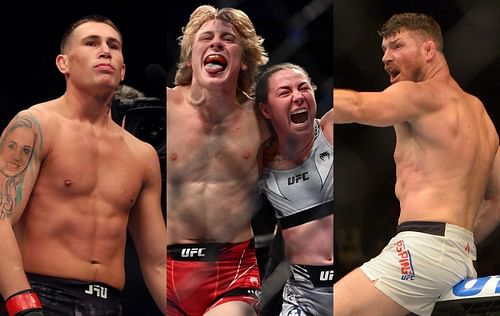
{"x":405,"y":261}
{"x":193,"y":252}
{"x":97,"y":290}
{"x":298,"y":177}
{"x":326,"y":275}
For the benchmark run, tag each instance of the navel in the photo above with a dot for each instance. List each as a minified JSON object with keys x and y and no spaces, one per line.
{"x":173,"y":157}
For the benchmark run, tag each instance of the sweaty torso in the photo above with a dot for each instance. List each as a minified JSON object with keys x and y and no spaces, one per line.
{"x":443,"y":159}
{"x":212,"y":172}
{"x":74,"y":225}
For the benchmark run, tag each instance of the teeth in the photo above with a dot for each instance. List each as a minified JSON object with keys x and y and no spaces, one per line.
{"x":215,"y":59}
{"x":299,"y":116}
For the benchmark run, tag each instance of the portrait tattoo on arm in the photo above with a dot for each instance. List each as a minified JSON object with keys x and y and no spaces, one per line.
{"x":18,"y":146}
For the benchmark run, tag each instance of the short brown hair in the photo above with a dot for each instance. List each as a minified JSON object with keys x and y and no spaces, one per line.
{"x":85,"y":19}
{"x":418,"y":22}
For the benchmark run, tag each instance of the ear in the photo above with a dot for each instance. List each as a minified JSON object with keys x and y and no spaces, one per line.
{"x":264,"y":109}
{"x":429,"y":48}
{"x":62,"y":63}
{"x":244,"y":67}
{"x":122,"y":75}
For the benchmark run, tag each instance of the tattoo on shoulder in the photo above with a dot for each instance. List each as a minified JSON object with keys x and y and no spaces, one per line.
{"x":20,"y":143}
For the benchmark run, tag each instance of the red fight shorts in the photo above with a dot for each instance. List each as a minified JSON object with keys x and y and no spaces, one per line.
{"x":203,"y":276}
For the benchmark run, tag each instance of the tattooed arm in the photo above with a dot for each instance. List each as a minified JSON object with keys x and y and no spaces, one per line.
{"x":20,"y":157}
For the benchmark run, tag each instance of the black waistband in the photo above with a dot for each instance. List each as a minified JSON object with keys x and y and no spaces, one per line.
{"x":80,"y":289}
{"x":308,"y":215}
{"x":320,"y":276}
{"x":433,"y":228}
{"x":201,"y":251}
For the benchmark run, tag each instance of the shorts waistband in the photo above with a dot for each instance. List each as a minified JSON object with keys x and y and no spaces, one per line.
{"x":436,"y":228}
{"x":81,"y":288}
{"x":433,"y":228}
{"x":205,"y":251}
{"x":319,"y":276}
{"x":447,"y":230}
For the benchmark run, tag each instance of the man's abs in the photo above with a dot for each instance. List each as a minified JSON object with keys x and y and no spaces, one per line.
{"x":210,"y":213}
{"x":81,"y":247}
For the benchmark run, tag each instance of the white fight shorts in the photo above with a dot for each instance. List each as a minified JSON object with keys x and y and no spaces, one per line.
{"x":423,"y":261}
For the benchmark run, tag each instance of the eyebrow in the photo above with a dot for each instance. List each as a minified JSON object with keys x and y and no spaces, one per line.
{"x":288,"y":86}
{"x":211,"y":32}
{"x":97,"y":37}
{"x":391,"y":42}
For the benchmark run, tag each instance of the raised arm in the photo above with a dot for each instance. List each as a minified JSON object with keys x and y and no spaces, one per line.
{"x":401,"y":102}
{"x":488,"y":216}
{"x":21,"y":146}
{"x":148,"y":230}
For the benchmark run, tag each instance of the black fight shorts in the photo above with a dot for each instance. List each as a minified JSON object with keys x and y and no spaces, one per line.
{"x":66,"y":297}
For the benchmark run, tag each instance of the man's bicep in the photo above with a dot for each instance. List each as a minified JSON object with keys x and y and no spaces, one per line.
{"x":397,"y":104}
{"x":21,"y":145}
{"x":369,"y":108}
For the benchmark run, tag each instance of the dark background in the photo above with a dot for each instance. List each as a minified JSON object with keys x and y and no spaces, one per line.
{"x":30,"y":36}
{"x":366,"y":208}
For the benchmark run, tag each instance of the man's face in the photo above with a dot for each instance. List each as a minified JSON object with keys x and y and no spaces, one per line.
{"x":291,"y":105}
{"x":94,"y":55}
{"x":16,"y":151}
{"x":403,"y":58}
{"x":217,"y":55}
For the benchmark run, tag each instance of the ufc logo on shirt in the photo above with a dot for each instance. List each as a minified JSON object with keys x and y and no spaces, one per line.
{"x":301,"y":176}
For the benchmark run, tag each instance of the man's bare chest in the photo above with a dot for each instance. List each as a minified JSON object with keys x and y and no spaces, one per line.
{"x":89,"y":167}
{"x":202,"y":148}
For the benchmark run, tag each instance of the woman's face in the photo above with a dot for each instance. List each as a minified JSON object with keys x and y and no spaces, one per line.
{"x":16,"y":151}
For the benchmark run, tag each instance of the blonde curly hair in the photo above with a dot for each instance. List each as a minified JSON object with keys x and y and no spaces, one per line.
{"x":254,"y":54}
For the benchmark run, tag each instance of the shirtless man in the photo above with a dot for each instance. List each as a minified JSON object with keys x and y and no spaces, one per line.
{"x":72,"y":181}
{"x":445,"y":147}
{"x":298,"y":181}
{"x":214,"y":135}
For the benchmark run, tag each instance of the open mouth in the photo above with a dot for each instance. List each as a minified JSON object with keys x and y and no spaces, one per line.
{"x":393,"y":73}
{"x":215,"y":63}
{"x":299,"y":116}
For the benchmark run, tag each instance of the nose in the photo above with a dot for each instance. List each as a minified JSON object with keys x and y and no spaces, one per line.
{"x":105,"y":51}
{"x":386,"y":57}
{"x":216,"y":44}
{"x":16,"y":155}
{"x":298,"y":97}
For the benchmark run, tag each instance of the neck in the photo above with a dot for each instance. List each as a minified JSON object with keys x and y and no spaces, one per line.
{"x":214,"y":104}
{"x":85,"y":107}
{"x":438,"y":68}
{"x":295,"y":147}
